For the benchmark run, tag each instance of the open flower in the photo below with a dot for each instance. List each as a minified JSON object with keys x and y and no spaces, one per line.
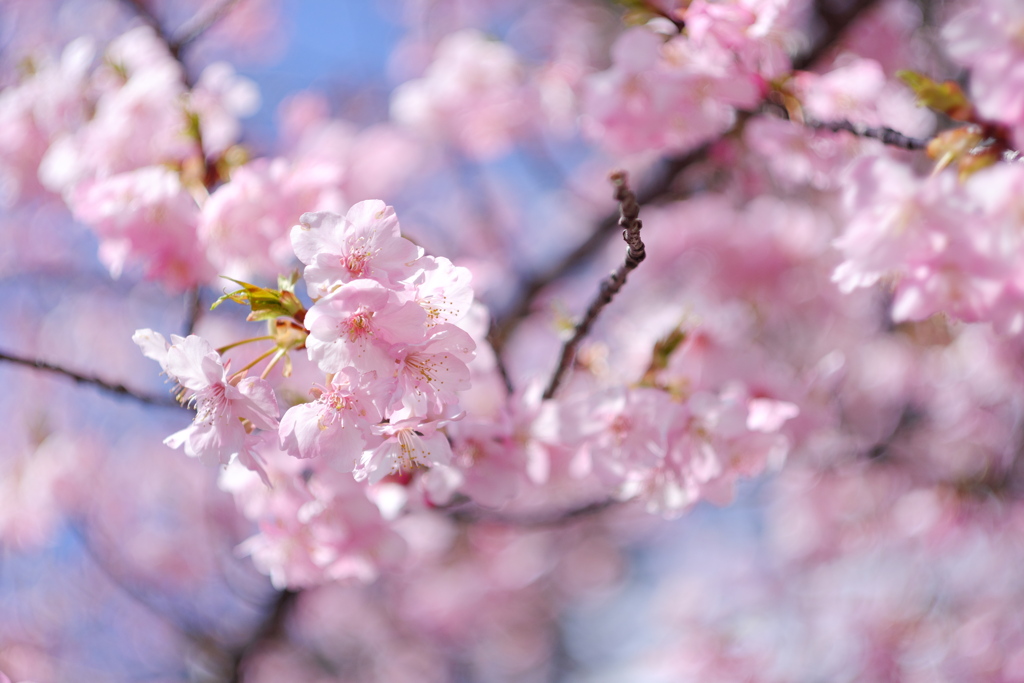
{"x":227,"y":413}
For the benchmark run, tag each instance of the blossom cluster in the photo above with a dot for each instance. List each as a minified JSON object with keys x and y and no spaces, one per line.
{"x":831,"y":293}
{"x":385,"y":329}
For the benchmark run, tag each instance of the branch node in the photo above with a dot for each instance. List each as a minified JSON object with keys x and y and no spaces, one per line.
{"x":629,"y":221}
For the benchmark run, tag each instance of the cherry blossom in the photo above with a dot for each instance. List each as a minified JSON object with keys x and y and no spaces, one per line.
{"x":339,"y":420}
{"x":473,"y":94}
{"x":407,"y":444}
{"x":226,"y":412}
{"x":366,"y":243}
{"x":453,"y":447}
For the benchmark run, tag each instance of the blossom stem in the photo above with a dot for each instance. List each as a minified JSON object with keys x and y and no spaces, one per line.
{"x":629,"y":221}
{"x":255,"y":361}
{"x":232,"y":345}
{"x":273,"y":361}
{"x":476,"y":515}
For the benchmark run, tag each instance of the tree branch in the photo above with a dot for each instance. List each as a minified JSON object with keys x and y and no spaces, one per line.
{"x":886,"y":135}
{"x":193,"y":309}
{"x":520,"y":308}
{"x":189,"y":632}
{"x":836,"y":22}
{"x":186,"y":35}
{"x":189,"y":32}
{"x":269,"y":630}
{"x":119,"y":389}
{"x":478,"y":515}
{"x":658,"y":188}
{"x":629,"y":221}
{"x":202,"y":22}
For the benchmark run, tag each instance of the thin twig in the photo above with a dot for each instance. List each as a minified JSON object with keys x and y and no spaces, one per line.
{"x":190,"y":632}
{"x":202,"y":22}
{"x":521,"y":306}
{"x":189,"y":32}
{"x":475,"y":515}
{"x":268,"y":631}
{"x":119,"y":389}
{"x":629,"y":221}
{"x":888,"y":136}
{"x":656,"y":190}
{"x":836,"y":24}
{"x":193,"y":307}
{"x":142,"y":10}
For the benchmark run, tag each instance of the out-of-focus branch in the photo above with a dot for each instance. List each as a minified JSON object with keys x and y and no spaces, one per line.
{"x":176,"y":44}
{"x":119,"y":389}
{"x":836,"y":23}
{"x":189,"y":32}
{"x":629,"y":221}
{"x":187,"y":631}
{"x":193,"y":308}
{"x":141,"y":8}
{"x":199,"y":24}
{"x":476,"y":515}
{"x":267,"y":632}
{"x":886,"y":135}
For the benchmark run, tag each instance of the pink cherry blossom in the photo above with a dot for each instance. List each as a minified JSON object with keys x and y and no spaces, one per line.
{"x":408,"y":444}
{"x":219,"y":98}
{"x":443,"y":290}
{"x":664,"y":94}
{"x":226,"y":412}
{"x":366,"y":243}
{"x":338,"y":422}
{"x":986,"y":38}
{"x":357,"y":323}
{"x":146,"y":216}
{"x":245,"y":223}
{"x":33,"y":113}
{"x":311,"y":529}
{"x":139,"y":118}
{"x":473,"y":94}
{"x":431,"y":373}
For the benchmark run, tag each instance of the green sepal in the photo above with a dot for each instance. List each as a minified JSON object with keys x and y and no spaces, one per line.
{"x":946,"y":97}
{"x":266,"y":303}
{"x":660,"y":355}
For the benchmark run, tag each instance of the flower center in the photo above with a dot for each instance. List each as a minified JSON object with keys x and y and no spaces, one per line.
{"x":355,"y":263}
{"x":358,"y":326}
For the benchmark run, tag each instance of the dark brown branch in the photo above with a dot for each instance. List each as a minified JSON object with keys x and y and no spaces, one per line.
{"x":189,"y":32}
{"x":202,"y":22}
{"x":629,"y":221}
{"x":836,"y":23}
{"x":475,"y":515}
{"x":142,"y":10}
{"x":886,"y":135}
{"x":268,"y":631}
{"x":193,"y":308}
{"x":189,"y":632}
{"x":119,"y":389}
{"x":520,"y":308}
